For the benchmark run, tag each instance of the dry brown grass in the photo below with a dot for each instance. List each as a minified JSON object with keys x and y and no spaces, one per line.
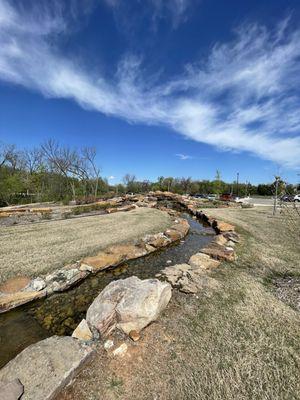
{"x":36,"y":249}
{"x":236,"y":342}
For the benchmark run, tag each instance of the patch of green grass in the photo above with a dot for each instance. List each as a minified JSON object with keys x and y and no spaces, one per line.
{"x":115,"y":383}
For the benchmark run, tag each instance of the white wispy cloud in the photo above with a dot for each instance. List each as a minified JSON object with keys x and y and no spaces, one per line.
{"x":183,"y":156}
{"x":243,"y":97}
{"x":111,"y":177}
{"x":176,"y":10}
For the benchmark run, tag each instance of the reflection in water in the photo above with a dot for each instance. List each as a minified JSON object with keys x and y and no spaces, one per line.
{"x":61,"y":313}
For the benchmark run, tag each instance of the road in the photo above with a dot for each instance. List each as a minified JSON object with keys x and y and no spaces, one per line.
{"x":261,"y":201}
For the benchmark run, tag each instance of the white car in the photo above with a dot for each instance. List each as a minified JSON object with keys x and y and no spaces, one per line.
{"x":242,"y":199}
{"x":297,"y":197}
{"x":212,"y":197}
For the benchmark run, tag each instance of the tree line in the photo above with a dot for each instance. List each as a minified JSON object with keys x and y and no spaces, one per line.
{"x":49,"y":172}
{"x":54,"y":172}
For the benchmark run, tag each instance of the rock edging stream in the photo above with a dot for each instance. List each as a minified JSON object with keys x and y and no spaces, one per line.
{"x":128,"y":305}
{"x":66,"y":277}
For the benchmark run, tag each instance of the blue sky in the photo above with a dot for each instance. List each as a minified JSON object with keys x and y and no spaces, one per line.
{"x":160,"y":87}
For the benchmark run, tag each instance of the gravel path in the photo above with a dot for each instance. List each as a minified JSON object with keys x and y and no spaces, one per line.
{"x":36,"y":249}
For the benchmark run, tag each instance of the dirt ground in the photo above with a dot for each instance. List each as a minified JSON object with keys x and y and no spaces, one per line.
{"x":238,"y":341}
{"x":38,"y":248}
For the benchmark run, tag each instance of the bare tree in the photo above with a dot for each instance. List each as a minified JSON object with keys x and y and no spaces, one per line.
{"x":63,"y":160}
{"x":92,"y":170}
{"x":186,"y":184}
{"x":129,"y":181}
{"x":30,"y":162}
{"x":32,"y":159}
{"x":169,"y":182}
{"x":8,"y":155}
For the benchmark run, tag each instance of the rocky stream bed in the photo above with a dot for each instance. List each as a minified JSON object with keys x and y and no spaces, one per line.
{"x":60,"y":313}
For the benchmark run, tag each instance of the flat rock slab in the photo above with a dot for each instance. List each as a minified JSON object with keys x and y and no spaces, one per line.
{"x":203,"y":261}
{"x":219,"y":252}
{"x":222,"y":226}
{"x":9,"y":301}
{"x":46,"y":367}
{"x":13,"y":285}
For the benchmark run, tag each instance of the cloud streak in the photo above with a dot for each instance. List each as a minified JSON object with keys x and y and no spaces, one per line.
{"x":175,"y":10}
{"x":243,"y":97}
{"x":183,"y":156}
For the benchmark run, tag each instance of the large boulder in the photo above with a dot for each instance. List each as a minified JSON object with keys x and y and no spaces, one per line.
{"x":128,"y":304}
{"x":44,"y":368}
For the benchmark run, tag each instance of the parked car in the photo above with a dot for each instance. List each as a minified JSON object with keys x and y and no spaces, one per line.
{"x":241,"y":200}
{"x":200,"y":196}
{"x":226,"y":197}
{"x":297,"y":197}
{"x":287,"y":197}
{"x":211,"y":197}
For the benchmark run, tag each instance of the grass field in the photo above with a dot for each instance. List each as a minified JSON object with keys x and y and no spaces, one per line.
{"x":38,"y":248}
{"x":236,"y":342}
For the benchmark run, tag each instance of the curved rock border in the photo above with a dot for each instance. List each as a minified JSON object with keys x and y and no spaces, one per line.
{"x":66,"y":277}
{"x":62,"y":279}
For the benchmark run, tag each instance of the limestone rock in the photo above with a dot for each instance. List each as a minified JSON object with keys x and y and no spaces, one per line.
{"x":82,"y":332}
{"x":102,"y":261}
{"x":188,"y":278}
{"x":187,"y":285}
{"x":203,"y":261}
{"x":128,"y":304}
{"x":157,"y":240}
{"x":182,"y":226}
{"x":13,"y":285}
{"x":10,"y":301}
{"x":134,"y":335}
{"x":12,"y":390}
{"x":230,"y":243}
{"x":46,"y":367}
{"x":232,"y":236}
{"x":118,"y":209}
{"x":85,"y":267}
{"x":220,"y":239}
{"x":63,"y":279}
{"x":127,"y":251}
{"x":222,"y":226}
{"x":108,"y":344}
{"x":173,"y":234}
{"x":36,"y":285}
{"x":219,"y":252}
{"x":121,"y":350}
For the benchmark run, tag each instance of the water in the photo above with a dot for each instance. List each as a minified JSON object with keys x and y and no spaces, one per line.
{"x":60,"y":313}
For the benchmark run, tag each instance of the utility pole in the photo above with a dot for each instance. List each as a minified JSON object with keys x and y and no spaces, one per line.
{"x":237,"y":184}
{"x":277,"y":179}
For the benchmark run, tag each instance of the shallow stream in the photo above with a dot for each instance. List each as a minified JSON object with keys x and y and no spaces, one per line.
{"x":60,"y":313}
